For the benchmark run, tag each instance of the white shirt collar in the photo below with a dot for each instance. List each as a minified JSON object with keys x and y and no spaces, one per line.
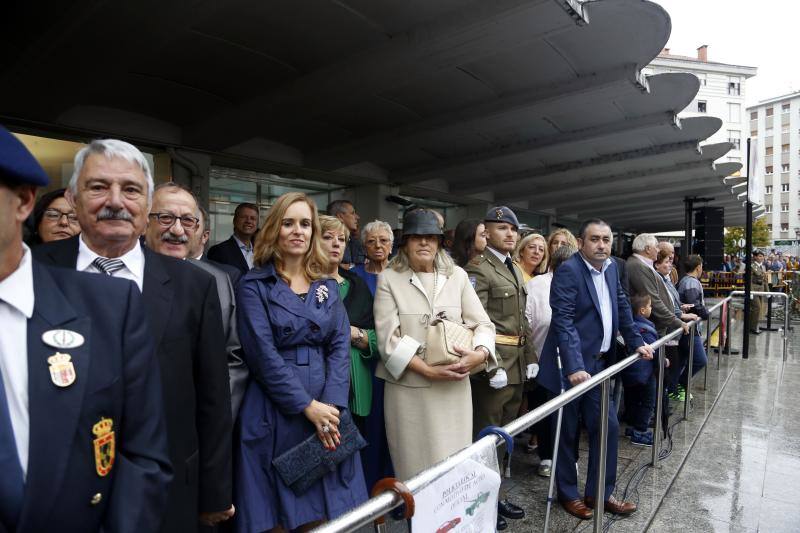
{"x":17,"y":289}
{"x":242,"y":244}
{"x":133,"y":260}
{"x":646,"y":260}
{"x":593,"y":269}
{"x":499,"y":255}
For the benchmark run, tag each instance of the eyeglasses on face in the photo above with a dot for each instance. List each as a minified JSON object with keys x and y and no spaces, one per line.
{"x":54,"y":215}
{"x":167,"y":220}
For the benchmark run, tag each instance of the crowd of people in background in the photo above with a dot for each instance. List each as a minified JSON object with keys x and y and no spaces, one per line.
{"x":776,"y":261}
{"x":307,"y":325}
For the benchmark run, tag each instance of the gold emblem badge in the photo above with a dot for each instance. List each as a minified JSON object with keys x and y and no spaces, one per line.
{"x":499,"y":213}
{"x":62,"y":372}
{"x":103,"y":446}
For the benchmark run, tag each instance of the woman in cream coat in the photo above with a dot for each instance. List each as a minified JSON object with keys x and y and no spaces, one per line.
{"x":428,"y":409}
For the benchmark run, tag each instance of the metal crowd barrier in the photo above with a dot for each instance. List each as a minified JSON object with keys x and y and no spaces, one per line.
{"x":378,"y":506}
{"x":786,"y":302}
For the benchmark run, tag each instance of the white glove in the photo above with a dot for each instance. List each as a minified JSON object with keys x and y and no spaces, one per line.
{"x":531,"y":371}
{"x":499,"y":380}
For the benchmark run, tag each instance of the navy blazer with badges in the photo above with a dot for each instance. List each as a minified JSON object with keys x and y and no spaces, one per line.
{"x":228,"y":252}
{"x":576,"y":327}
{"x":183,"y":312}
{"x":117,"y":379}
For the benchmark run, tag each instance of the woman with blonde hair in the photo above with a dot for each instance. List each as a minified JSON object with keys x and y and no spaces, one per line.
{"x":561,"y":237}
{"x":531,"y":256}
{"x":296,"y":340}
{"x":428,"y":408}
{"x":366,"y":391}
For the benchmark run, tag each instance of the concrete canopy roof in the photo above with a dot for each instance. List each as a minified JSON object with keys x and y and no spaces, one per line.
{"x":537,"y":103}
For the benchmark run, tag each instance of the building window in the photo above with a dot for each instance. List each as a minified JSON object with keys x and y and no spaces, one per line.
{"x":767,"y":190}
{"x":770,"y":111}
{"x":734,"y":88}
{"x":784,"y":187}
{"x":734,"y":112}
{"x":785,"y":167}
{"x":768,"y":132}
{"x":768,"y":208}
{"x":768,"y":171}
{"x":701,"y":106}
{"x":784,"y":208}
{"x":785,"y":108}
{"x":768,"y":150}
{"x":735,"y":138}
{"x":769,"y":228}
{"x":784,"y":148}
{"x":702,"y":78}
{"x":784,"y":227}
{"x":753,"y":133}
{"x":734,"y":159}
{"x":785,"y":128}
{"x":753,"y":115}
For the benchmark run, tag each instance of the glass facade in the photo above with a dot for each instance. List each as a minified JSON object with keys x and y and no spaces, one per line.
{"x":229,"y":187}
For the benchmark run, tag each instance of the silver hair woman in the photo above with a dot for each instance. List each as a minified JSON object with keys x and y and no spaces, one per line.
{"x":377,"y":239}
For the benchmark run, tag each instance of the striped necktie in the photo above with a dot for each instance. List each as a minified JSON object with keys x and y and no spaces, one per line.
{"x":108,"y":266}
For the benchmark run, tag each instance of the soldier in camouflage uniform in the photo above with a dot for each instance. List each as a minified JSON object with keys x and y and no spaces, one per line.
{"x":758,"y":282}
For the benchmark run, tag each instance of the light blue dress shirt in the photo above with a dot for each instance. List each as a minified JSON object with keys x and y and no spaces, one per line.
{"x":604,"y":298}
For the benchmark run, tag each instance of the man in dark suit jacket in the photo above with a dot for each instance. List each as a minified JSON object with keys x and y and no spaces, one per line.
{"x":111,"y":191}
{"x":238,"y":250}
{"x":589,"y":307}
{"x":181,"y":239}
{"x":86,"y":450}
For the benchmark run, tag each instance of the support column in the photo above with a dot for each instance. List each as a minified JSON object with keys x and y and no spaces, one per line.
{"x":371,"y":204}
{"x":192,"y":170}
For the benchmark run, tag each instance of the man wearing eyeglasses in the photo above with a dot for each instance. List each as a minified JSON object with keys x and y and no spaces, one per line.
{"x":175,"y":229}
{"x":111,"y":190}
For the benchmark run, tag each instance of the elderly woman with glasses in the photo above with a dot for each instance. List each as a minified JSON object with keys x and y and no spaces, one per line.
{"x":53,"y":219}
{"x":428,"y":408}
{"x":377,"y":239}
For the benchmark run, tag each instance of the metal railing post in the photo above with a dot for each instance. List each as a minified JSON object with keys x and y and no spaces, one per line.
{"x":687,"y":400}
{"x":728,"y":335}
{"x":659,"y":407}
{"x":602,"y":435}
{"x":708,"y":345}
{"x":785,"y":326}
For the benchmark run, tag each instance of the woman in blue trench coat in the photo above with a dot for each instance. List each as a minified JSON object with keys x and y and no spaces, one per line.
{"x":296,"y":339}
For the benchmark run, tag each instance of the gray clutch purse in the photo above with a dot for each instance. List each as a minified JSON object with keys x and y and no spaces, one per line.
{"x":304,"y":464}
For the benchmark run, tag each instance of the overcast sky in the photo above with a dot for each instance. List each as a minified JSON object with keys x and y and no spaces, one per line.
{"x":763,"y":34}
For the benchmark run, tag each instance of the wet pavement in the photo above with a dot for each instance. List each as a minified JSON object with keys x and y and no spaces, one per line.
{"x":732,"y":466}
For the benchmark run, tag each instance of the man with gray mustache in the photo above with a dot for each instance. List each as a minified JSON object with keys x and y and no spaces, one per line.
{"x":111,"y":190}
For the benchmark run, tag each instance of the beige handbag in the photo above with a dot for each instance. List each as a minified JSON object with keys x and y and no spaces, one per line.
{"x":442,"y":336}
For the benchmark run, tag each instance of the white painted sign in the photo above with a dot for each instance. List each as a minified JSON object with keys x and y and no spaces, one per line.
{"x":462,"y":501}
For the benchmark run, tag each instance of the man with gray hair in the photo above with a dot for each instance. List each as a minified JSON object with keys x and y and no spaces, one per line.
{"x":645,"y":280}
{"x":346,"y":212}
{"x":112,"y":191}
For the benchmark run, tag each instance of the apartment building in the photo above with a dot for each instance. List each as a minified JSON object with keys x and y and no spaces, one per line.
{"x":776,"y":123}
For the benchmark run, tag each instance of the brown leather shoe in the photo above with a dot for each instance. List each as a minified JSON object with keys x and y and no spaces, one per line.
{"x":577,"y":508}
{"x":613,"y":506}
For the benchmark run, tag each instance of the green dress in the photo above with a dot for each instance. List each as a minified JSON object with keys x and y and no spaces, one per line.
{"x":360,"y":373}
